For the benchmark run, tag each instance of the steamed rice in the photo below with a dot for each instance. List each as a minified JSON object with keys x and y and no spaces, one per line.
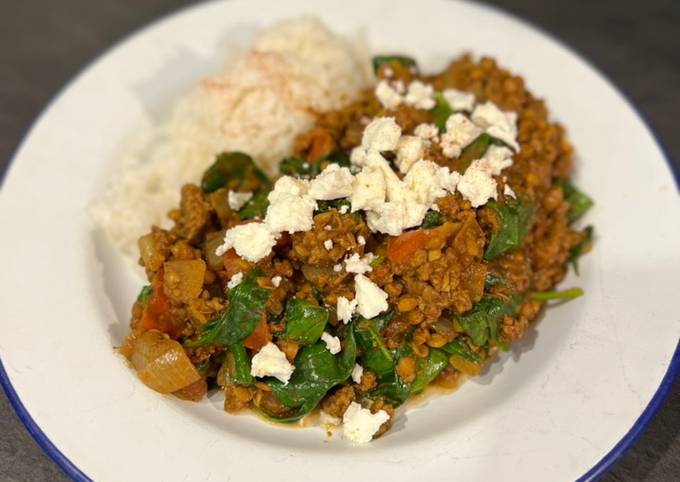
{"x":257,"y":104}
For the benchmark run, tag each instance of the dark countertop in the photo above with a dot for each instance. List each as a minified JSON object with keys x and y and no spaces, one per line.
{"x":636,"y":44}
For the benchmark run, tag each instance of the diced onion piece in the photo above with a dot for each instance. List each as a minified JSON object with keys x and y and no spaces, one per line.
{"x":213,"y":241}
{"x":313,"y":272}
{"x":152,"y":258}
{"x":183,"y":279}
{"x":194,"y":392}
{"x":162,"y":364}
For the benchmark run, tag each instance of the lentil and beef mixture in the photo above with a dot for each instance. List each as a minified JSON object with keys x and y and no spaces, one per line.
{"x":348,"y":310}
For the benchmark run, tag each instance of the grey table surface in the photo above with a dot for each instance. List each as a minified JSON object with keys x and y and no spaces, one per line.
{"x":43,"y":44}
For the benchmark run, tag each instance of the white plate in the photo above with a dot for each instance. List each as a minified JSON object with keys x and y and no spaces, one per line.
{"x":552,"y":409}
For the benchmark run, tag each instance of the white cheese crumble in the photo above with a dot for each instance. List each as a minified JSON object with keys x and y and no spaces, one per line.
{"x":369,"y":189}
{"x":497,"y":158}
{"x":460,"y":132}
{"x":271,"y":362}
{"x":332,"y":183}
{"x":328,"y":244}
{"x":395,"y":216}
{"x":290,"y":208}
{"x":507,"y":190}
{"x":237,"y":200}
{"x":477,"y":185}
{"x":359,"y":424}
{"x":276,"y":281}
{"x":332,"y":343}
{"x":409,"y":150}
{"x":426,"y":131}
{"x":252,"y":241}
{"x":429,"y":181}
{"x":343,"y":209}
{"x":371,"y":300}
{"x":328,"y":227}
{"x":235,"y":280}
{"x":420,"y":95}
{"x":361,"y":240}
{"x":459,"y":100}
{"x":337,"y":268}
{"x":387,"y":95}
{"x":357,"y":373}
{"x":382,"y":134}
{"x":499,"y":124}
{"x":345,"y":309}
{"x":354,"y":264}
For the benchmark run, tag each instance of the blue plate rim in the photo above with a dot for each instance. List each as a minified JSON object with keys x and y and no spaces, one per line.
{"x":595,"y":473}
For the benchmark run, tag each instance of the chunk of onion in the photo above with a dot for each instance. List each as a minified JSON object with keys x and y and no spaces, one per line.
{"x":161,"y":363}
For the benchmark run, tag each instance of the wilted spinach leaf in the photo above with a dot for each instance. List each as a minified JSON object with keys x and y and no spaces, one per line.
{"x":474,"y":150}
{"x":376,"y":357}
{"x":568,"y":294}
{"x":483,"y":322}
{"x":427,"y":369}
{"x":579,"y":202}
{"x":256,"y":207}
{"x":380,"y":60}
{"x":460,"y":349}
{"x":441,"y":111}
{"x":246,"y":307}
{"x":232,"y":170}
{"x":144,"y":295}
{"x":240,"y":373}
{"x":316,"y":372}
{"x":514,"y":217}
{"x":305,"y":322}
{"x":431,"y":220}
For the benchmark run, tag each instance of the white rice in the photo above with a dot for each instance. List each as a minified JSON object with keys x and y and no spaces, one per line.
{"x":257,"y":104}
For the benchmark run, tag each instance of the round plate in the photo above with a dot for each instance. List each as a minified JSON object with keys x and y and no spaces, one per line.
{"x":554,"y":407}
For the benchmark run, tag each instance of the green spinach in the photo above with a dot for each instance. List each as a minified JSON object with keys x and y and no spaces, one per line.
{"x":241,"y":369}
{"x":514,"y":217}
{"x":305,"y":322}
{"x":441,"y":111}
{"x":380,"y":60}
{"x":579,"y":202}
{"x":475,"y":150}
{"x":144,"y":295}
{"x":568,"y":294}
{"x":376,"y":357}
{"x":431,"y":220}
{"x":256,"y":207}
{"x":232,"y":170}
{"x":483,"y":322}
{"x":460,"y":349}
{"x":316,"y":372}
{"x":427,"y":369}
{"x":247,"y":303}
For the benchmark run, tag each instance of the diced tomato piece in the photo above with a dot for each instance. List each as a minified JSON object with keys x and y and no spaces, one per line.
{"x":234,"y":264}
{"x":260,"y":336}
{"x":401,"y":248}
{"x":157,"y":314}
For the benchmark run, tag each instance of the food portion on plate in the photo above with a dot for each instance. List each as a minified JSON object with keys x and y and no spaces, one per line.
{"x":408,"y":237}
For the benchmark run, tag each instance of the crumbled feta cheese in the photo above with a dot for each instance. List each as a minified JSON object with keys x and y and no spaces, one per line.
{"x":435,"y":207}
{"x":328,"y":227}
{"x":271,"y":362}
{"x":361,"y":240}
{"x":337,"y":268}
{"x":237,"y":200}
{"x":497,"y":158}
{"x":426,"y":131}
{"x":477,"y":185}
{"x":328,"y":419}
{"x":252,"y":241}
{"x":459,"y":100}
{"x":420,"y":95}
{"x":354,"y":264}
{"x":332,"y":342}
{"x":507,"y":190}
{"x":235,"y":280}
{"x":382,"y":134}
{"x":395,"y":216}
{"x":369,"y":189}
{"x":345,"y":309}
{"x":276,"y":281}
{"x":332,"y":183}
{"x":399,"y":87}
{"x":371,"y":300}
{"x":290,"y":185}
{"x":499,"y":124}
{"x":409,"y":150}
{"x":359,"y":424}
{"x":343,"y":209}
{"x":328,"y":244}
{"x":289,"y":212}
{"x":428,"y":181}
{"x":460,"y":132}
{"x":357,"y":373}
{"x":386,"y":95}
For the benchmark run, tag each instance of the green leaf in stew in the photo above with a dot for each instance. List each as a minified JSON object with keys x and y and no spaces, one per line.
{"x":380,"y":60}
{"x":305,"y":321}
{"x":233,"y":170}
{"x":514,"y":217}
{"x":256,"y":207}
{"x":581,"y":248}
